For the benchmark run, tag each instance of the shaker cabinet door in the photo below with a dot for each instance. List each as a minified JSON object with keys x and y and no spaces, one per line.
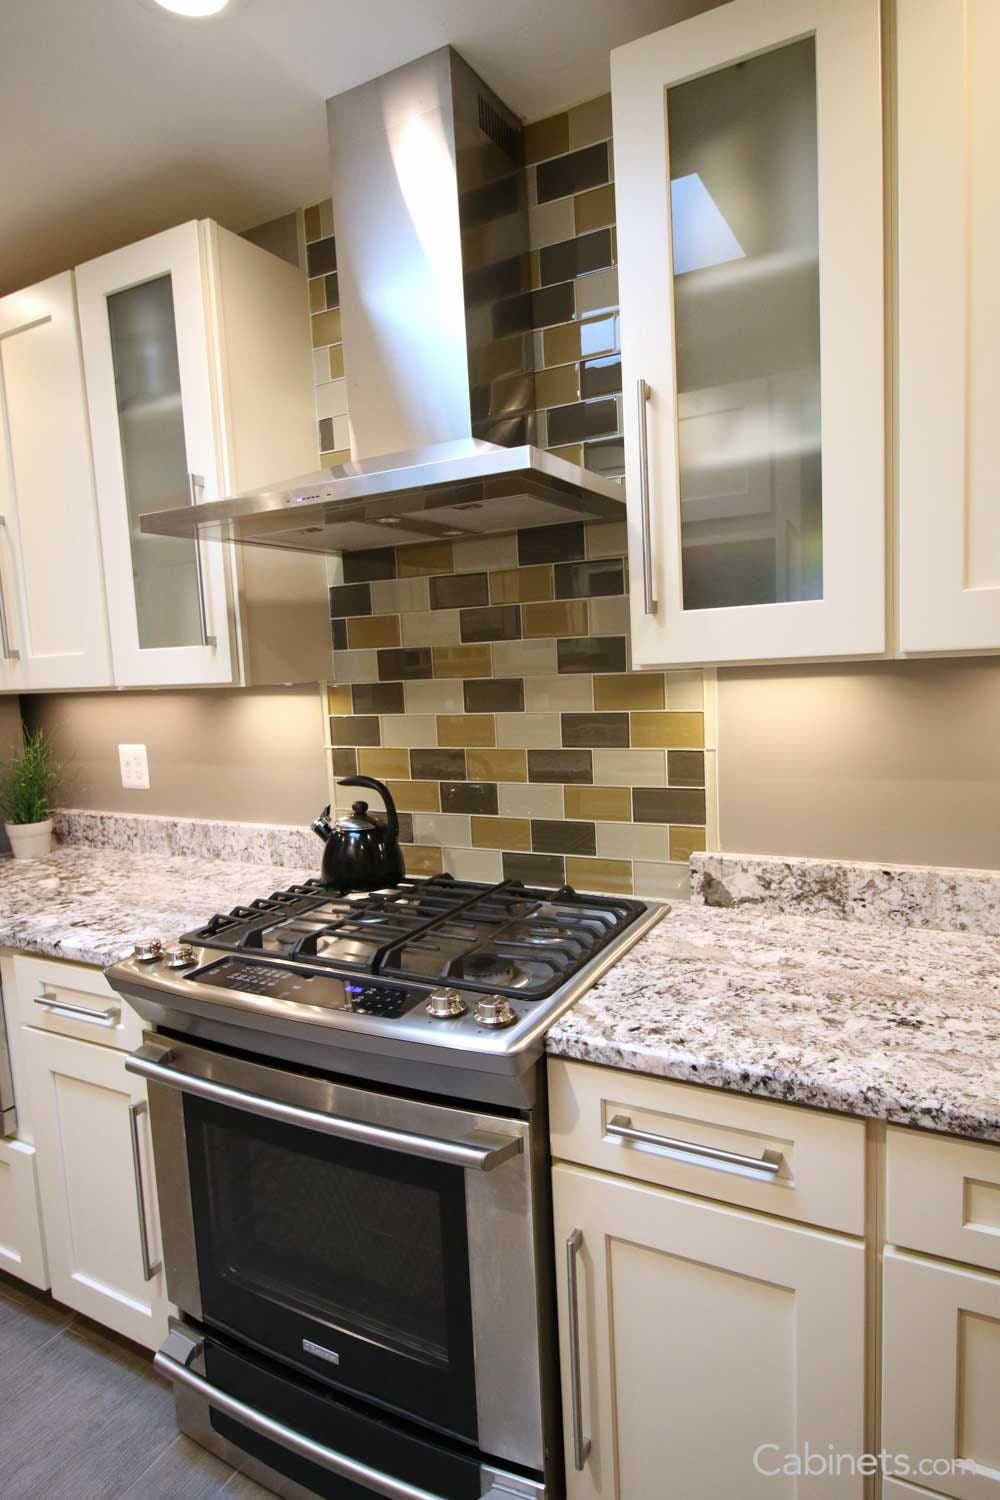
{"x":748,"y":165}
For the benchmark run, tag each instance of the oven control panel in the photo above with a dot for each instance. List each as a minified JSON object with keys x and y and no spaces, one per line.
{"x":363,"y":997}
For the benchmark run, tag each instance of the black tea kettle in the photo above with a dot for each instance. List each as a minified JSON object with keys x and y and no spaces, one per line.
{"x":360,"y":854}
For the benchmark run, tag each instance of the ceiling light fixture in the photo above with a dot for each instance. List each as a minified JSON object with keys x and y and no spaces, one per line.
{"x":194,"y":8}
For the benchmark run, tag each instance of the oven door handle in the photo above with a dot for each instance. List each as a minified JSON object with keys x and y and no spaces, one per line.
{"x":479,"y":1150}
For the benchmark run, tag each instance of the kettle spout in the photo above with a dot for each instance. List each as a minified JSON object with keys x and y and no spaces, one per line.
{"x":322,"y":827}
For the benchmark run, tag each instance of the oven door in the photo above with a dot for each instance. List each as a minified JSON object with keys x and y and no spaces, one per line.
{"x":383,"y":1245}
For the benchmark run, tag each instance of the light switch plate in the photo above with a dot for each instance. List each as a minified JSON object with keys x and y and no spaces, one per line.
{"x":134,"y":766}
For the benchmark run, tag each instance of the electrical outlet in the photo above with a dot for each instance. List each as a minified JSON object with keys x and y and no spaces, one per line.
{"x":135,"y":767}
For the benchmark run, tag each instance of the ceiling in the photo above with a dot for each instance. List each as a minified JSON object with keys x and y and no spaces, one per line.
{"x":118,"y":119}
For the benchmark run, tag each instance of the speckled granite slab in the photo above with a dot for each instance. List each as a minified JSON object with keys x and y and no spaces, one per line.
{"x":870,"y":1020}
{"x":198,"y":838}
{"x":899,"y":895}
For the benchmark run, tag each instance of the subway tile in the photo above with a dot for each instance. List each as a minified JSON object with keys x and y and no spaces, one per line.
{"x":548,"y":137}
{"x":686,"y":767}
{"x":605,"y":457}
{"x":326,"y":327}
{"x":528,"y":731}
{"x":437,"y":765}
{"x":599,"y":803}
{"x":601,"y":376}
{"x":597,"y":293}
{"x":586,"y":580}
{"x":459,"y":590}
{"x":561,"y":345}
{"x":557,"y":386}
{"x":494,"y":622}
{"x":609,"y":616}
{"x":354,"y":729}
{"x":444,"y":828}
{"x":629,"y":690}
{"x":479,"y":553}
{"x":548,"y":223}
{"x":332,"y":291}
{"x":385,"y":765}
{"x":431,"y":627}
{"x":529,"y":800}
{"x":544,"y":544}
{"x":590,"y":122}
{"x":404,"y":730}
{"x":556,"y":618}
{"x":572,"y":173}
{"x":345,"y":761}
{"x":558,"y":836}
{"x":377,"y":562}
{"x":466,"y":729}
{"x":415,"y":796}
{"x":535,"y":869}
{"x":425,"y":557}
{"x":339,"y":699}
{"x":321,"y":256}
{"x":611,"y":876}
{"x":607,"y":539}
{"x":433,"y":695}
{"x":547,"y":694}
{"x":521,"y":585}
{"x":582,"y":420}
{"x":560,"y":765}
{"x":422,"y":859}
{"x":529,"y":658}
{"x":600,"y":334}
{"x":405,"y":820}
{"x":466,"y":661}
{"x":600,"y":654}
{"x":378,"y":698}
{"x":501,"y":833}
{"x":575,"y":257}
{"x":630,"y":767}
{"x":632,"y":840}
{"x":552,"y":304}
{"x":311,"y":219}
{"x":326,"y":437}
{"x":685,"y":841}
{"x":394,"y":596}
{"x":487,"y":695}
{"x":352,"y":599}
{"x":469,"y":797}
{"x":678,"y":730}
{"x":594,"y":208}
{"x":355,"y":666}
{"x":317,"y":299}
{"x":321,"y":363}
{"x":686,"y":690}
{"x":335,"y":364}
{"x":654,"y":804}
{"x":411,"y":661}
{"x":366,"y":631}
{"x":331,"y":401}
{"x":337,"y":456}
{"x":601,"y":731}
{"x":497,"y":765}
{"x":662,"y":882}
{"x":474,"y":864}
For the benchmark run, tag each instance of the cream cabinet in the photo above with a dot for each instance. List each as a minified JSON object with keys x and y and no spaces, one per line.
{"x":53,"y":619}
{"x":748,"y":167}
{"x":22,"y":1246}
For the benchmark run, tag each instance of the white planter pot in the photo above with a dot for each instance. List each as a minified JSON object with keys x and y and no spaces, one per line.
{"x":30,"y":840}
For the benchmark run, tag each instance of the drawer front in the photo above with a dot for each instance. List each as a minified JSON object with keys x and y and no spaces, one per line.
{"x":943,"y":1197}
{"x":73,"y":1000}
{"x":797,"y":1163}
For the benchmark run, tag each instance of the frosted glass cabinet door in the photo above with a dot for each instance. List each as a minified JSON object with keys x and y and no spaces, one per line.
{"x":144,"y":322}
{"x":749,"y":198}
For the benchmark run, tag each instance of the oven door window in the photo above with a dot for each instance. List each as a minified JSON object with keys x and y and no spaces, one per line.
{"x":348,"y":1261}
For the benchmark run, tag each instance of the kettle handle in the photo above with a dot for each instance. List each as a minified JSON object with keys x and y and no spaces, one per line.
{"x":392,"y":826}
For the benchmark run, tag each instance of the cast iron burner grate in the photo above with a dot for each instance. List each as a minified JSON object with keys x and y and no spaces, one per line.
{"x":507,"y":939}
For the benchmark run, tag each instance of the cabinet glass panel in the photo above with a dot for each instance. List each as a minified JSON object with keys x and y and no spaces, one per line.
{"x":743,"y":198}
{"x":154,"y":456}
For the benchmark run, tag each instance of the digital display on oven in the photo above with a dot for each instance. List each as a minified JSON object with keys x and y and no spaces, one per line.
{"x":253,"y":978}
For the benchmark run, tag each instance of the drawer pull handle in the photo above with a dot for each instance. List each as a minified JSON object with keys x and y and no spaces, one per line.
{"x":149,"y":1266}
{"x":621,"y":1128}
{"x":106,"y":1016}
{"x":581,"y":1444}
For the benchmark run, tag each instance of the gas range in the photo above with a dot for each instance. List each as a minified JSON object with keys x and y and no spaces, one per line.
{"x":460,"y":978}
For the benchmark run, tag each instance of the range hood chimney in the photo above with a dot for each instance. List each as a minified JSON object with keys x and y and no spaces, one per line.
{"x":431,"y":224}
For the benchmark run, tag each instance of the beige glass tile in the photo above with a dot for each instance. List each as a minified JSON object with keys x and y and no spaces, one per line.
{"x":594,"y":209}
{"x":629,"y":690}
{"x":417,"y":730}
{"x":392,"y":596}
{"x":561,"y":617}
{"x":629,"y":767}
{"x":385,"y":765}
{"x":422,"y":859}
{"x":326,"y":328}
{"x":662,"y":882}
{"x":317,"y":294}
{"x":596,"y":293}
{"x":561,"y":343}
{"x":477,"y":553}
{"x":474,"y":864}
{"x":497,"y":765}
{"x":611,"y":875}
{"x":571,"y":452}
{"x":632,"y":840}
{"x":568,"y":691}
{"x":355,"y":666}
{"x":606,"y":539}
{"x":501,"y":833}
{"x":598,"y":803}
{"x":521,"y":585}
{"x":465,"y":661}
{"x":535,"y":658}
{"x":685,"y":841}
{"x":686,"y":690}
{"x":426,"y":557}
{"x":548,"y":137}
{"x":466,"y":729}
{"x":590,"y":122}
{"x":339,"y":700}
{"x":434,"y":695}
{"x":415,"y":796}
{"x":529,"y":800}
{"x":529,"y":731}
{"x":442,"y":828}
{"x":368,"y":631}
{"x":432,"y":627}
{"x":609,"y":615}
{"x":336,"y":361}
{"x":551,"y":223}
{"x":681,"y":731}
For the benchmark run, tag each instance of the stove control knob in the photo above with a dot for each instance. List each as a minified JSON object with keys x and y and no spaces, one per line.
{"x":148,"y":950}
{"x":494,"y":1010}
{"x":445,"y":1004}
{"x":180,"y":957}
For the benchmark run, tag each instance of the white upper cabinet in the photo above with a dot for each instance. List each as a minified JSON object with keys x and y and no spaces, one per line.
{"x":53,"y":622}
{"x":748,"y":165}
{"x":948,"y":54}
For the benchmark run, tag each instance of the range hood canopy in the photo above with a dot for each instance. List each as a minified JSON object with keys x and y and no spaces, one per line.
{"x":436,"y":311}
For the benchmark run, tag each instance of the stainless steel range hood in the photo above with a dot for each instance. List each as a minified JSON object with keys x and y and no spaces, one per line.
{"x":434,"y":275}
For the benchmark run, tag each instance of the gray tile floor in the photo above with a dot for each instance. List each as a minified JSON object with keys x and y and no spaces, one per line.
{"x":83,"y":1416}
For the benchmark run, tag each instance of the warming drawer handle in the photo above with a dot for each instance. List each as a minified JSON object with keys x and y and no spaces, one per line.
{"x":620,"y":1128}
{"x":107,"y":1015}
{"x":482,"y":1151}
{"x":286,"y":1437}
{"x":581,"y":1444}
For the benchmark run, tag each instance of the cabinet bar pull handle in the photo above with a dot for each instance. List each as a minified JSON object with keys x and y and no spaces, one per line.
{"x":149,"y":1266}
{"x":8,"y":651}
{"x":108,"y":1016}
{"x":648,"y":602}
{"x":196,"y":483}
{"x":581,"y":1444}
{"x":620,"y":1126}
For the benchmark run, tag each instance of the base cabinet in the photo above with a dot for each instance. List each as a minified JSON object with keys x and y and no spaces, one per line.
{"x":711,"y":1344}
{"x":22,"y":1249}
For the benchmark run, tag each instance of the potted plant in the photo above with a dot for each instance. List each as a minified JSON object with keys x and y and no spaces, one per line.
{"x":27,"y":785}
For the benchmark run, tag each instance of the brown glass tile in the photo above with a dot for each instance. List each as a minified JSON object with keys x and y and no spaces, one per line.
{"x":557,"y":386}
{"x":462,"y":661}
{"x":614,"y":875}
{"x":685,"y":841}
{"x":415,"y":796}
{"x":520,"y":585}
{"x":339,"y":699}
{"x":535,"y":869}
{"x":582,"y":420}
{"x":549,"y":137}
{"x":427,"y":557}
{"x":608,"y":804}
{"x":378,"y":698}
{"x":664,"y":804}
{"x":601,"y":731}
{"x":326,"y":328}
{"x":589,"y":580}
{"x":575,"y":257}
{"x":542,"y":544}
{"x":326,"y":437}
{"x":501,"y":833}
{"x":437,"y":765}
{"x":321,"y":256}
{"x":629,"y":690}
{"x":378,"y":562}
{"x":685,"y":768}
{"x":411,"y":661}
{"x":594,"y":208}
{"x":560,"y":765}
{"x":368,"y":631}
{"x":459,"y":590}
{"x":494,"y":695}
{"x":353,"y":729}
{"x":572,"y":173}
{"x":561,"y":345}
{"x":676,"y":729}
{"x":338,"y":632}
{"x":345,"y":762}
{"x":466,"y":729}
{"x":385,"y":764}
{"x":601,"y":377}
{"x":495,"y":622}
{"x":469,"y":797}
{"x":558,"y":617}
{"x":351,"y":599}
{"x":332,"y":291}
{"x":422,"y":859}
{"x":405,"y":826}
{"x":604,"y":653}
{"x":561,"y":836}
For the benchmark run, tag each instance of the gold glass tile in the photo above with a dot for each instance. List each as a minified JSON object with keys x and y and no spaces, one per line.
{"x":310,"y":217}
{"x":385,"y":764}
{"x":334,"y":456}
{"x":571,"y":452}
{"x":614,"y":875}
{"x":610,"y":804}
{"x":423,"y":859}
{"x":629,"y":690}
{"x":416,"y":796}
{"x":557,"y":387}
{"x":501,"y":833}
{"x":594,"y":209}
{"x":590,"y":122}
{"x":326,"y":328}
{"x":546,"y":138}
{"x":462,"y":661}
{"x":367,"y":631}
{"x":518,"y":585}
{"x":339,"y":700}
{"x":336,"y":361}
{"x":466,"y":729}
{"x":561,"y":344}
{"x":514,"y":393}
{"x":429,"y":557}
{"x":497,"y":765}
{"x":682,"y":731}
{"x":685,"y":841}
{"x":560,"y":618}
{"x":317,"y":294}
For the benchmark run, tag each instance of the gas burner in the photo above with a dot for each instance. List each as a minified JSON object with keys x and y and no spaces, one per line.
{"x":489,"y":968}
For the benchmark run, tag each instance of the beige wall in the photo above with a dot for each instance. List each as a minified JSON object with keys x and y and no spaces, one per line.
{"x":254,"y":756}
{"x":893,"y":761}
